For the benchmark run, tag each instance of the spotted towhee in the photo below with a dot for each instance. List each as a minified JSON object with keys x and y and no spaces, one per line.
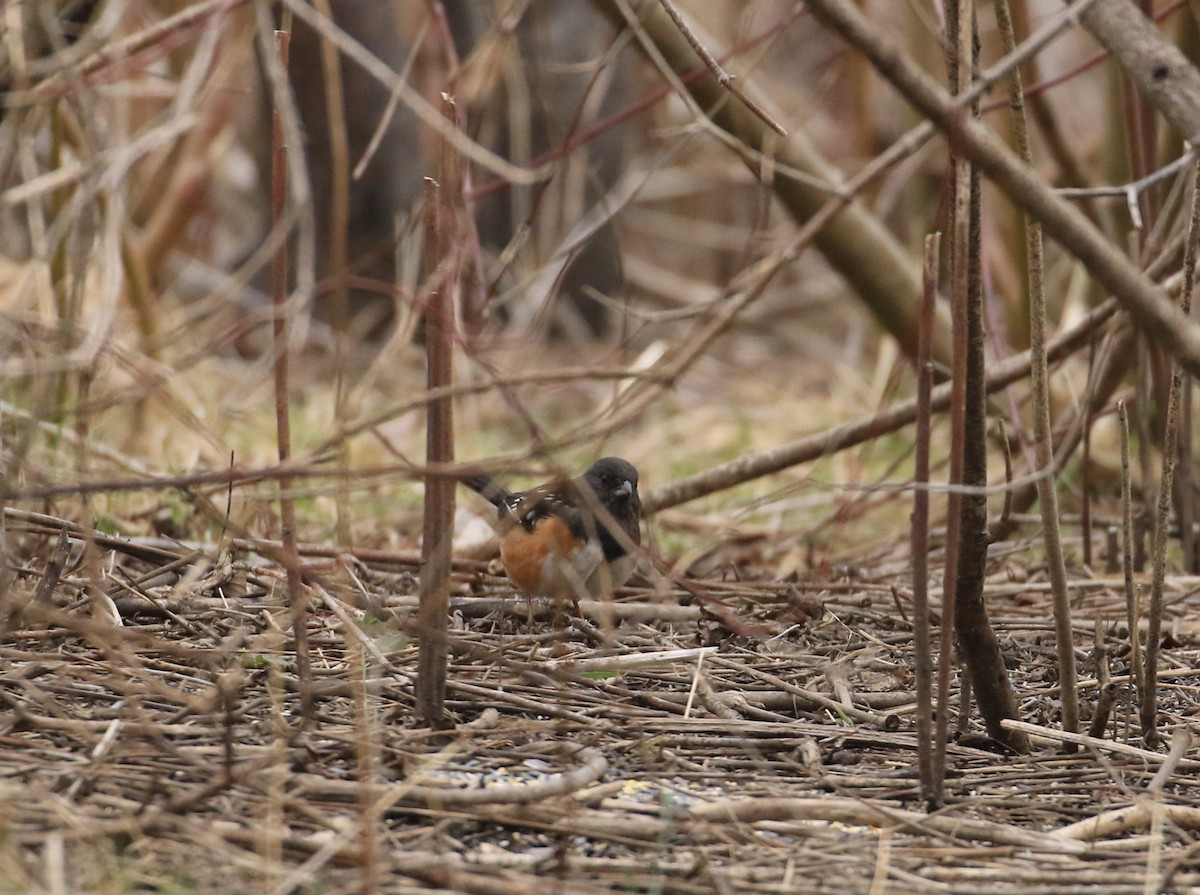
{"x":569,"y":539}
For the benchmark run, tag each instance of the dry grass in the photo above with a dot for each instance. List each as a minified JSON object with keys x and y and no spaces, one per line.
{"x":151,"y":740}
{"x":740,"y":720}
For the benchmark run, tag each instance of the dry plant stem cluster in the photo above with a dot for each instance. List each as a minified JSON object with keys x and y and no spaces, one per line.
{"x":792,"y":737}
{"x":854,"y":241}
{"x":751,"y":466}
{"x":1045,"y":455}
{"x":1170,"y":454}
{"x":1149,"y":306}
{"x":964,"y":617}
{"x":581,"y":774}
{"x":676,"y":372}
{"x":746,"y":468}
{"x":1151,"y":61}
{"x":812,"y":447}
{"x":676,"y":363}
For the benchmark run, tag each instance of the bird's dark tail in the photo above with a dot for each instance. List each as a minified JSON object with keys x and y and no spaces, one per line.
{"x":484,"y":484}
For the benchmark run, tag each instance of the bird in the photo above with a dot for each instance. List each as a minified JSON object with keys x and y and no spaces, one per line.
{"x":569,"y":538}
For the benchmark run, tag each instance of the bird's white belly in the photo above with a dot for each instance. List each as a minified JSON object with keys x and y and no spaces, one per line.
{"x":584,"y":575}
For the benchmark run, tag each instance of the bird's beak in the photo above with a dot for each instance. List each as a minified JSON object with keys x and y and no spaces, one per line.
{"x":625,"y":489}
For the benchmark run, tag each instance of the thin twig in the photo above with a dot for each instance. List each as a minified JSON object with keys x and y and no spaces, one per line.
{"x":1181,"y":743}
{"x":1036,"y":731}
{"x":439,"y":492}
{"x":922,"y":648}
{"x":1132,"y":602}
{"x":723,"y":77}
{"x":339,"y":234}
{"x":297,"y":597}
{"x":1042,"y":437}
{"x":959,"y":53}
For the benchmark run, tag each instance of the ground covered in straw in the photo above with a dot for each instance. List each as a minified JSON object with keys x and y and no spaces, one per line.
{"x":737,"y":734}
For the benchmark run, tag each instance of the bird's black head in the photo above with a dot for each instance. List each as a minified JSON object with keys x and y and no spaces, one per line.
{"x":614,"y":482}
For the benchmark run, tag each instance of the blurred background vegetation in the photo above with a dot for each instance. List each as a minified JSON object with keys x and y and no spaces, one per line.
{"x":603,"y":220}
